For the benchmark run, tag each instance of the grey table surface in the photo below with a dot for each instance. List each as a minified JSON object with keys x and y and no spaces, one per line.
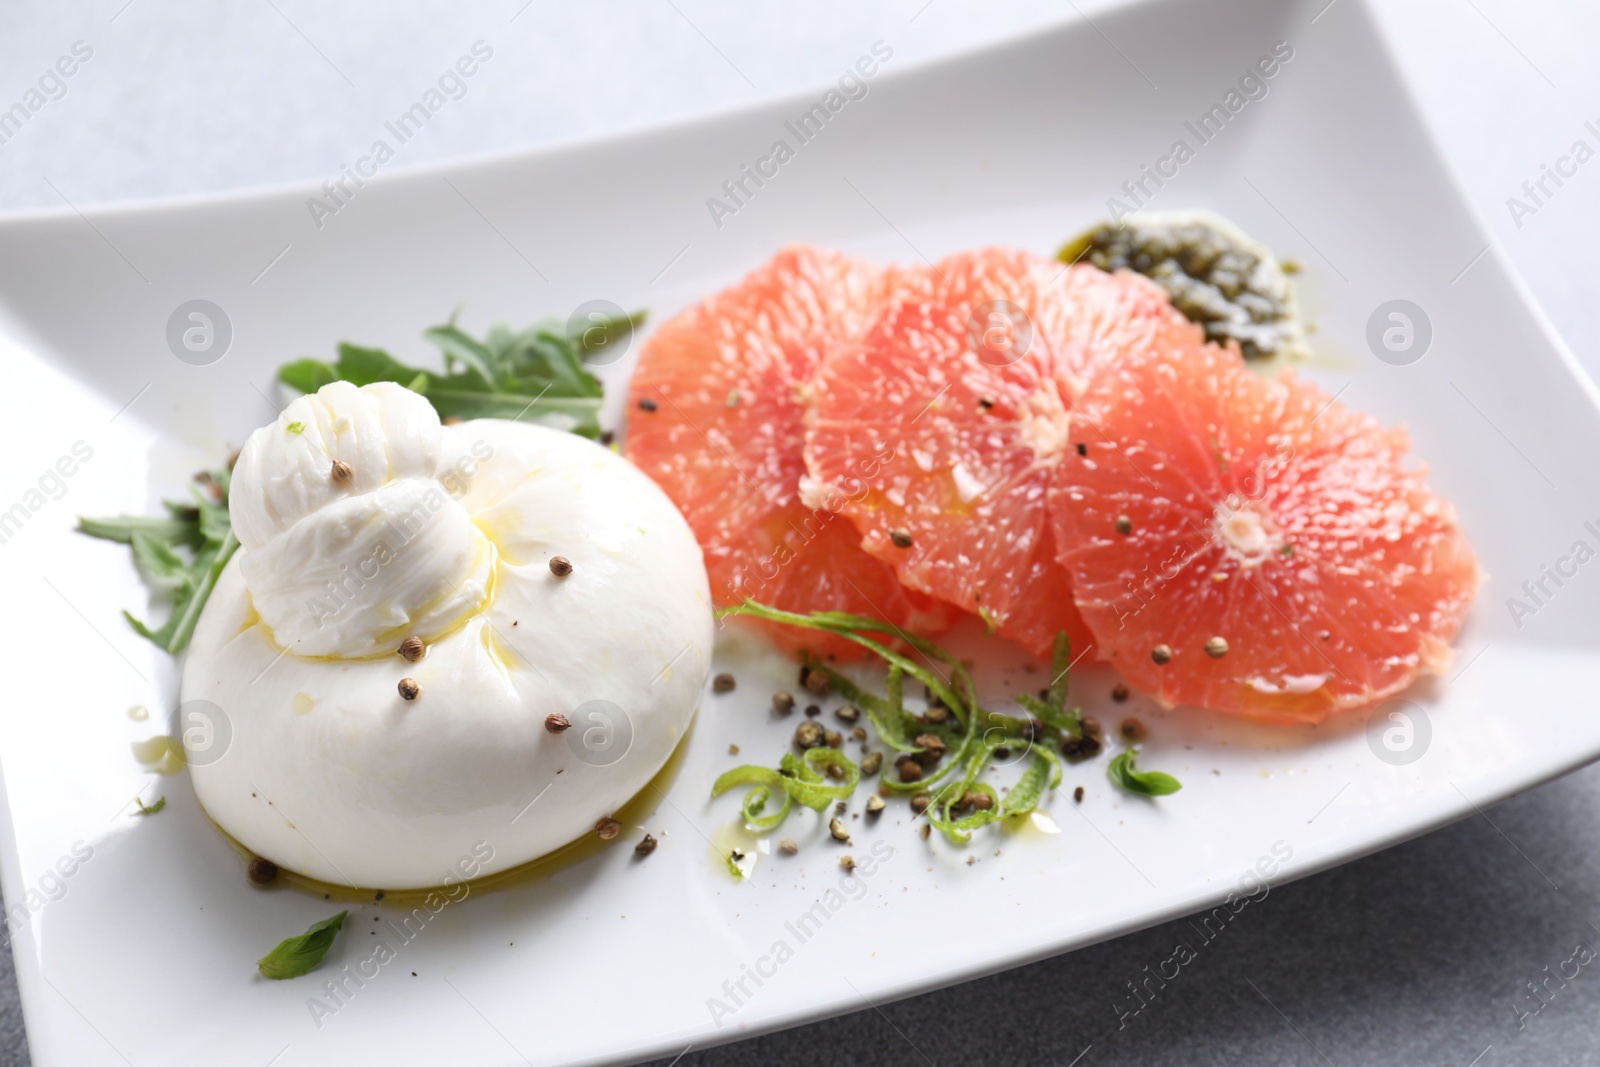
{"x":1418,"y":955}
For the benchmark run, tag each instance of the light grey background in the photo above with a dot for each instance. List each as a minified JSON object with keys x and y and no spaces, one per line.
{"x":1415,"y":956}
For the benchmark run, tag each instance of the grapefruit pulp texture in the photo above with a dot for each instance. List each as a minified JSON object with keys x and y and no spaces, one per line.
{"x":962,"y":392}
{"x":714,"y":417}
{"x":1265,"y":518}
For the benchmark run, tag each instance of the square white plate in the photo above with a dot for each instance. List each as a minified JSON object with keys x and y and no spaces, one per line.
{"x":143,"y":951}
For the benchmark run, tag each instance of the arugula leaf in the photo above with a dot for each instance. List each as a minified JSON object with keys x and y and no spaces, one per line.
{"x":1125,"y":775}
{"x":296,"y":955}
{"x":151,"y":809}
{"x":180,"y":556}
{"x":537,"y":373}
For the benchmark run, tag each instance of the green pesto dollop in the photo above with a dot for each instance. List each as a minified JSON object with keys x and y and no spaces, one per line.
{"x":1215,"y":275}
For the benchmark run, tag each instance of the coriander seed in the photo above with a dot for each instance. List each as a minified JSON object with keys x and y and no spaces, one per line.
{"x":412,"y":648}
{"x":724,"y":683}
{"x":409,"y":689}
{"x":1216,"y":647}
{"x":645,"y":847}
{"x":560,"y":566}
{"x":783,"y":702}
{"x":900,"y":538}
{"x":1123,"y":525}
{"x":341,"y":472}
{"x":262,"y":870}
{"x":1162,"y":654}
{"x":607,"y":828}
{"x":808,"y":734}
{"x":557,"y":723}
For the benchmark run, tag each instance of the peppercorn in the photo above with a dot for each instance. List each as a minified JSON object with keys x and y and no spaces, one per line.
{"x":814,"y":681}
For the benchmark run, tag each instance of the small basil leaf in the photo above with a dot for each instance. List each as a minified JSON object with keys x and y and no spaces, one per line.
{"x":296,"y":955}
{"x":1125,"y":775}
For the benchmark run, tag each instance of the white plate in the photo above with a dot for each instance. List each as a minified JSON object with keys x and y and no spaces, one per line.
{"x":146,"y":952}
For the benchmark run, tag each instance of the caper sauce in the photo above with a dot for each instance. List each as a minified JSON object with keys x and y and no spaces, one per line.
{"x":1214,"y":274}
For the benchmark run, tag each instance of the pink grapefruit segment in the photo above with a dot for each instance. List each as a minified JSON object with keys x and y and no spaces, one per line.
{"x":714,"y":417}
{"x":1275,"y":547}
{"x":962,"y":392}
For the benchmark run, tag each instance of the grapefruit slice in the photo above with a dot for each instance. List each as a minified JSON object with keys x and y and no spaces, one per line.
{"x":714,"y":418}
{"x":959,"y":399}
{"x":1275,"y":549}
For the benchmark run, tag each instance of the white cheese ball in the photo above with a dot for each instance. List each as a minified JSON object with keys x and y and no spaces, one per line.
{"x":306,"y":751}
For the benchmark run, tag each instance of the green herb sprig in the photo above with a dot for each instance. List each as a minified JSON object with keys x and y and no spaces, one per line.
{"x":536,"y":374}
{"x":296,"y":955}
{"x":180,"y":554}
{"x":150,"y":809}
